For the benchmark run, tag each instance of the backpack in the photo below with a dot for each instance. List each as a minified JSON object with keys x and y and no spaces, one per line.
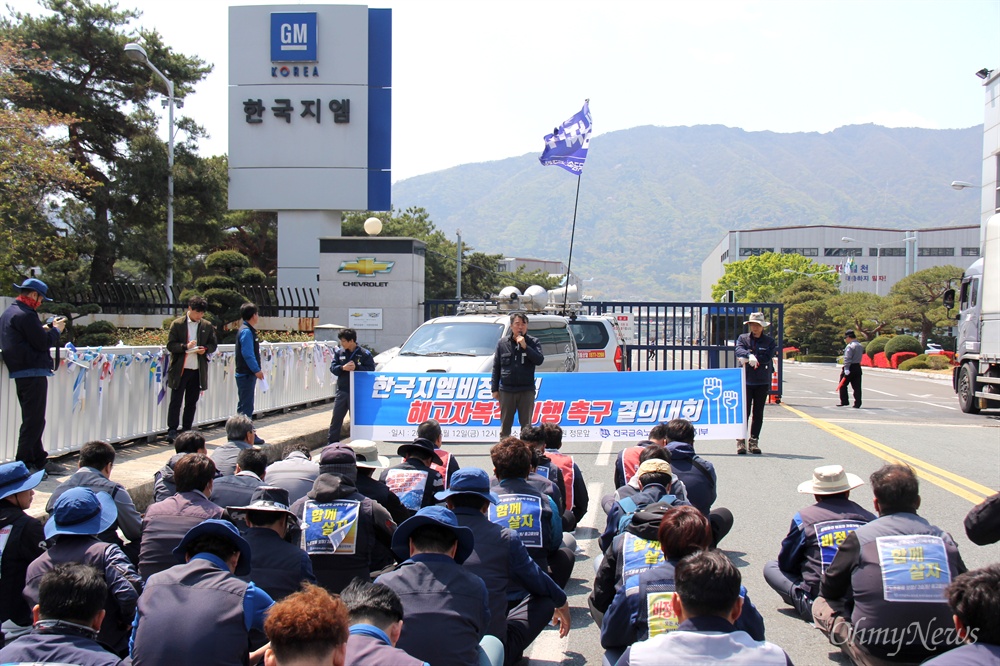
{"x":630,"y":508}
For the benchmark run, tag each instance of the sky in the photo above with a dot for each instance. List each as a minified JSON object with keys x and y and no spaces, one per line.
{"x":482,"y":80}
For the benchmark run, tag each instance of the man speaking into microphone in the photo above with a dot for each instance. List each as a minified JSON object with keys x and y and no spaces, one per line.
{"x":513,"y":383}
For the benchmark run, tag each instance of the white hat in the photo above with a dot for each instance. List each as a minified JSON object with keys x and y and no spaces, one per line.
{"x":367,"y":454}
{"x":830,"y":480}
{"x":757,"y":318}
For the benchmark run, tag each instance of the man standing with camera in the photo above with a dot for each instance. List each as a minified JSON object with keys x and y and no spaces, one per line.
{"x":26,"y":343}
{"x":189,"y":339}
{"x":513,"y":383}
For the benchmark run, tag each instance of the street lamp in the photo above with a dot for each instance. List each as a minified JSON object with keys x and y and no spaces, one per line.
{"x":138,"y":54}
{"x":878,"y":254}
{"x":961,"y":184}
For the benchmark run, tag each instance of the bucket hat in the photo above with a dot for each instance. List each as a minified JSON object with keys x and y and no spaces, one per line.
{"x":757,"y":318}
{"x":432,"y":515}
{"x":35,"y":285}
{"x":366,"y":452}
{"x":222,"y":528}
{"x":267,"y":498}
{"x":421,"y":444}
{"x":830,"y":480}
{"x":469,"y":481}
{"x":81,"y":511}
{"x":15,"y":477}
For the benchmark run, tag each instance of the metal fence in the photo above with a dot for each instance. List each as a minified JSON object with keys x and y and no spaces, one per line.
{"x":672,"y":335}
{"x":119,"y":393}
{"x":152,"y":299}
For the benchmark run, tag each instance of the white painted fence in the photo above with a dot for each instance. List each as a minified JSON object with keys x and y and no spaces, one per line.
{"x":120,"y":393}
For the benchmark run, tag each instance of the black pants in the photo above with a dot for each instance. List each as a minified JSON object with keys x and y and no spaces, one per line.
{"x":32,"y":393}
{"x":525,"y":621}
{"x":721,"y":521}
{"x":341,"y":405}
{"x":854,"y":381}
{"x":188,"y":390}
{"x":756,"y":399}
{"x":790,"y":588}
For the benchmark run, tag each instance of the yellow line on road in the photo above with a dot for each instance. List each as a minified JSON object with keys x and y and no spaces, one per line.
{"x":942,"y":478}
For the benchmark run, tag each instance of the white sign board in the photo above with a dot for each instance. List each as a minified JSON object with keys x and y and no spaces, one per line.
{"x":365,"y":318}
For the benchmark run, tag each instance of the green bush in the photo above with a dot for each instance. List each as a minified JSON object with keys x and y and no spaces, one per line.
{"x":916,"y":363}
{"x":903,"y":343}
{"x":816,"y":358}
{"x":252,"y":276}
{"x":877,"y":345}
{"x":207,"y":282}
{"x":98,"y":334}
{"x":226,"y":261}
{"x":938,"y":362}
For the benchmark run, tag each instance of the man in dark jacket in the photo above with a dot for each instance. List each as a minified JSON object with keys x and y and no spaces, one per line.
{"x":163,"y":479}
{"x":513,"y":381}
{"x":237,"y":489}
{"x":25,"y":343}
{"x":343,"y":529}
{"x":816,"y":533}
{"x":982,"y":524}
{"x":189,"y":340}
{"x":24,"y":539}
{"x":166,"y":522}
{"x":413,"y":481}
{"x":755,"y":353}
{"x":202,"y":602}
{"x":523,"y":598}
{"x":698,"y":476}
{"x":78,"y":517}
{"x":347,"y":358}
{"x":279,"y":567}
{"x":376,"y":616}
{"x":97,"y":459}
{"x":895,"y":569}
{"x":446,"y":607}
{"x":67,"y":618}
{"x":654,"y":480}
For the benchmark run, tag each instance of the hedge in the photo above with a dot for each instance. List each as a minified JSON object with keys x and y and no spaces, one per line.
{"x":903,"y":343}
{"x":877,"y":345}
{"x":900,"y":357}
{"x":915,"y":363}
{"x":881,"y":361}
{"x":866,"y":361}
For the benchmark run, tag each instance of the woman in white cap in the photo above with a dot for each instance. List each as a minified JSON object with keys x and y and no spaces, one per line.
{"x":755,"y":353}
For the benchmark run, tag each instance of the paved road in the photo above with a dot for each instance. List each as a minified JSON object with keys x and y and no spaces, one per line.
{"x":903,"y":417}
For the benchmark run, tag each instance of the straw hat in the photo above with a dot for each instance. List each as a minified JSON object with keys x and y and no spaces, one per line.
{"x":830,"y":480}
{"x":757,"y":318}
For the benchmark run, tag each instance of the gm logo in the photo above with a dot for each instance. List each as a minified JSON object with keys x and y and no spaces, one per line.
{"x":366,"y":266}
{"x":293,"y":37}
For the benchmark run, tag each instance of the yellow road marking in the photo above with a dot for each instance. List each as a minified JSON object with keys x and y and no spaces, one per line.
{"x":942,"y":478}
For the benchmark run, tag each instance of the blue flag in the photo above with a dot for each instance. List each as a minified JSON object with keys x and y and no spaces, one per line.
{"x":567,"y":146}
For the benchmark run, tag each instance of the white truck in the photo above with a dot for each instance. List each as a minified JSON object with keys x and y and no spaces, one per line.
{"x":976,"y":379}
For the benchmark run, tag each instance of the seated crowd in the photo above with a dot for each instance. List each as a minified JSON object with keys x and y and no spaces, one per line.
{"x":351,"y":560}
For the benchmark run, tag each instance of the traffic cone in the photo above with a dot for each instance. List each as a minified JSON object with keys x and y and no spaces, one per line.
{"x":774,"y":397}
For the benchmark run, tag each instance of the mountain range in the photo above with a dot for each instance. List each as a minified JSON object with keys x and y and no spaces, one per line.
{"x":655,"y":200}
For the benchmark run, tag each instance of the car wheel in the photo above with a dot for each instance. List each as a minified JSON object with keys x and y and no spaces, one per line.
{"x":967,"y":399}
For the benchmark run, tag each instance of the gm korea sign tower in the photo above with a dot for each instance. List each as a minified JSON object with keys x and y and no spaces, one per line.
{"x":309,"y":121}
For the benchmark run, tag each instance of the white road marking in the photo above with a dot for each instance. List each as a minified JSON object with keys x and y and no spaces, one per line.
{"x":922,"y":395}
{"x":892,"y":395}
{"x":595,"y":490}
{"x":604,"y":453}
{"x":924,"y":402}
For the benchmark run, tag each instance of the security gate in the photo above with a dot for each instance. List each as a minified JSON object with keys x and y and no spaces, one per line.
{"x":674,"y":336}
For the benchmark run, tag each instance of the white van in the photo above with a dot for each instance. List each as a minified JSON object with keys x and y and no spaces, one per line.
{"x":466,"y":344}
{"x":600,"y":343}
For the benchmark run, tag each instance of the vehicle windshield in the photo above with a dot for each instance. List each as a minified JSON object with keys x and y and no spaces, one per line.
{"x":453,"y":338}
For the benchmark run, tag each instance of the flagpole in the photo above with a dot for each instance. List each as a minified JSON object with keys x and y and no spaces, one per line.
{"x":572,"y":236}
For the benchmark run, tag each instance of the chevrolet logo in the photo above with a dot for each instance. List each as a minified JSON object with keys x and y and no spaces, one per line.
{"x":366,"y":266}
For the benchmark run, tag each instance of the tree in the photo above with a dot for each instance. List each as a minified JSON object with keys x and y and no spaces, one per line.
{"x":916,"y":303}
{"x":33,"y":165}
{"x":91,"y":79}
{"x":807,"y":320}
{"x":868,"y":314}
{"x":761,"y":278}
{"x":254,"y":233}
